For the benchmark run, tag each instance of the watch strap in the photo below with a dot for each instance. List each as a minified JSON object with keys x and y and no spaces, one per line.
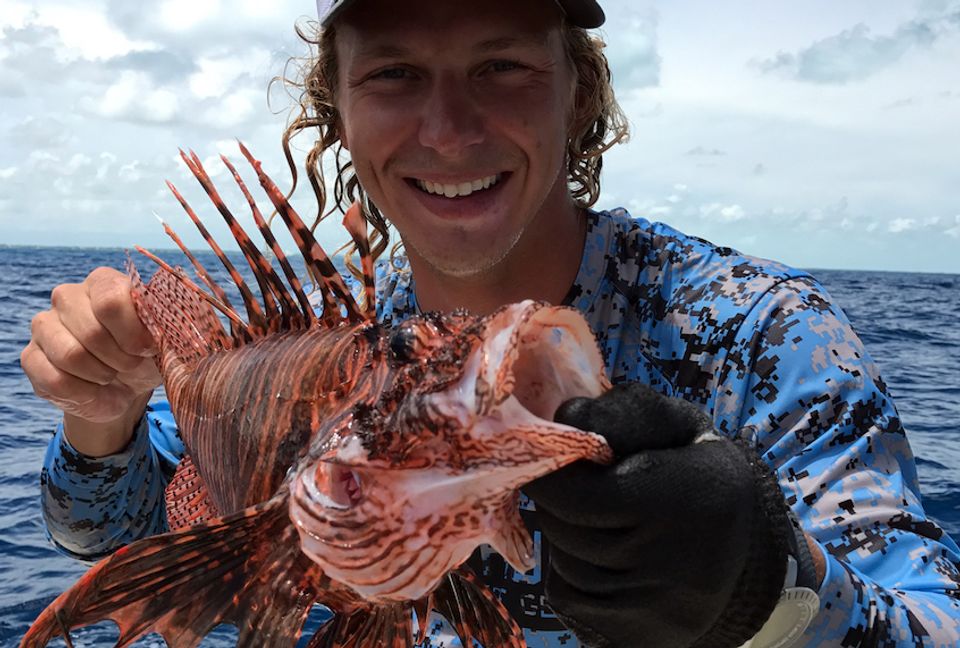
{"x":806,"y":572}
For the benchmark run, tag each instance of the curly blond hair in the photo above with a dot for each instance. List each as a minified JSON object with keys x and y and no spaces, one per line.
{"x":597,"y":124}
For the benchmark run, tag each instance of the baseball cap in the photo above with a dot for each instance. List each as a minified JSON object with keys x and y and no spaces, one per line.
{"x":582,"y":13}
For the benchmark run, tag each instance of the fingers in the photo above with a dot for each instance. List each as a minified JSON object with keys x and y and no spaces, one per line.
{"x":708,"y":481}
{"x":112,"y":306}
{"x":50,"y":382}
{"x":666,"y":617}
{"x":89,"y":352}
{"x":100,"y":314}
{"x":64,"y":350}
{"x":634,"y":417}
{"x":638,"y":556}
{"x":82,"y":398}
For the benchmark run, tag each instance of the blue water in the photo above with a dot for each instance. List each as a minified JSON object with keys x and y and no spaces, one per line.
{"x":910,"y":324}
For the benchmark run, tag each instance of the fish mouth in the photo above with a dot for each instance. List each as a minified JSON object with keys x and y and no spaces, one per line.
{"x":539,"y":355}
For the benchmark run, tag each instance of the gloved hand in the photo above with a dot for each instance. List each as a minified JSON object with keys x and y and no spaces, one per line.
{"x":682,"y":541}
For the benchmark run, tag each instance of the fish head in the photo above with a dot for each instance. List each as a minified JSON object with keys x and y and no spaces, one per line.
{"x":431,"y":468}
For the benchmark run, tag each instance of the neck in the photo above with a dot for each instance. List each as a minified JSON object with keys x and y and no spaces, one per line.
{"x":541,"y":266}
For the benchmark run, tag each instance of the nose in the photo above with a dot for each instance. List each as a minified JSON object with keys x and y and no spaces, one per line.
{"x":451,"y":120}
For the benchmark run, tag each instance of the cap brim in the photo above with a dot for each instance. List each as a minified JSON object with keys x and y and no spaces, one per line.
{"x":582,"y":13}
{"x":336,"y":11}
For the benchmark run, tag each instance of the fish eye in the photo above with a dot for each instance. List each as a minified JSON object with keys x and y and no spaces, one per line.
{"x":404,"y":343}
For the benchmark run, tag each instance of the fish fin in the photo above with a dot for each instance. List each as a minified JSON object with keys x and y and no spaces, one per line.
{"x":285,"y":306}
{"x":465,"y":601}
{"x":261,"y":268}
{"x":318,"y":263}
{"x":475,"y":613}
{"x":238,"y":326}
{"x":511,"y":539}
{"x":386,"y":626}
{"x":245,"y":569}
{"x":187,"y":499}
{"x":356,"y":224}
{"x":422,"y":609}
{"x":306,"y":313}
{"x":255,"y":313}
{"x":184,"y":326}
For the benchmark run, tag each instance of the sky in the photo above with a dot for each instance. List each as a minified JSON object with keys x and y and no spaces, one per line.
{"x":822,"y":134}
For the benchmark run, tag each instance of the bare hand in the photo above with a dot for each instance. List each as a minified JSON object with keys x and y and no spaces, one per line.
{"x":89,"y":354}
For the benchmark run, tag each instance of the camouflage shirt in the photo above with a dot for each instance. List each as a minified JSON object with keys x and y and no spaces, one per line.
{"x":757,"y":344}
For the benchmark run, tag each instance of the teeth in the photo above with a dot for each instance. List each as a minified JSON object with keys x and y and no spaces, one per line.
{"x":461,"y":189}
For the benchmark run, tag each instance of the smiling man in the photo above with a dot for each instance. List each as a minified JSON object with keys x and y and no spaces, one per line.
{"x":764,"y":489}
{"x":458,"y":125}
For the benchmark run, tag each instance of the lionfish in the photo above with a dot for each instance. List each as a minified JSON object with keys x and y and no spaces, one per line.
{"x":330,"y":460}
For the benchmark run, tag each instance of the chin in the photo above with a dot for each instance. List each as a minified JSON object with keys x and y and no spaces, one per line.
{"x":467,"y":266}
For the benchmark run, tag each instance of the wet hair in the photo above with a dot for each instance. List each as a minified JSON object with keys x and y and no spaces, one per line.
{"x":597,"y":123}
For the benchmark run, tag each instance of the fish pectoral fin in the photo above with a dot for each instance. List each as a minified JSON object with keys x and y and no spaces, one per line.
{"x":386,"y":626}
{"x":187,"y":498}
{"x":237,"y":570}
{"x":466,"y":602}
{"x":511,"y":538}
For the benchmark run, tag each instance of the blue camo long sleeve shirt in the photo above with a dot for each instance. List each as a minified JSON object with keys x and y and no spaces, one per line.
{"x":757,"y":344}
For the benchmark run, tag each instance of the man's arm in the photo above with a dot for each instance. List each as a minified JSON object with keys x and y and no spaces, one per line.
{"x":94,"y":505}
{"x":802,"y":386}
{"x":90,"y":355}
{"x":664,"y":540}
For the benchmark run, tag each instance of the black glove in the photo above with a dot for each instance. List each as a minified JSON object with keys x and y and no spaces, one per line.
{"x":681,"y":542}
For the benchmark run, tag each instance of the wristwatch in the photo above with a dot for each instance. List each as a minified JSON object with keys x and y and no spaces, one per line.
{"x":798,"y":603}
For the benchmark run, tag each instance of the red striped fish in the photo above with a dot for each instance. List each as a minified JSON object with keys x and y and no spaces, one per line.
{"x":331,"y":461}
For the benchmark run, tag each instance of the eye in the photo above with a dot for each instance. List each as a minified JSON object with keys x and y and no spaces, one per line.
{"x":391,"y":74}
{"x":404,"y":343}
{"x":504,"y":66}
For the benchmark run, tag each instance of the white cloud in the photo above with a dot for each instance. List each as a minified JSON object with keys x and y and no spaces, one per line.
{"x":722,"y":213}
{"x":856,"y":53}
{"x":77,"y":162}
{"x":130,"y":172}
{"x":134,"y":96}
{"x":183,"y":15}
{"x":14,"y":13}
{"x":216,"y":75}
{"x":898,"y":225}
{"x":701,"y":151}
{"x":954,"y":231}
{"x":87,"y":32}
{"x":42,"y":160}
{"x":7,"y":173}
{"x":633,"y":53}
{"x":234,"y":109}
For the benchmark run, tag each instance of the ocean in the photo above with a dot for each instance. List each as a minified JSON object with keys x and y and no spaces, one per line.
{"x":910,"y":324}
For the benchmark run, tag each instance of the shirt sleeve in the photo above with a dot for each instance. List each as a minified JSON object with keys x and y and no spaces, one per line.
{"x":799,"y":382}
{"x":93,"y":506}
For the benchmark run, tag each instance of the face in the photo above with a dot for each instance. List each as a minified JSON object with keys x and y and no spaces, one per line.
{"x":456,"y":118}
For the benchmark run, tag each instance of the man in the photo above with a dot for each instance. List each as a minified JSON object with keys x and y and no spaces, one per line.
{"x":476,"y":130}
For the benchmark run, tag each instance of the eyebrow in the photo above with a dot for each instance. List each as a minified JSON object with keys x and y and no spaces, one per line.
{"x":492,"y":45}
{"x":496,"y":44}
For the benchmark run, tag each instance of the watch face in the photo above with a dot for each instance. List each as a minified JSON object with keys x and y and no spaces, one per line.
{"x":794,"y":612}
